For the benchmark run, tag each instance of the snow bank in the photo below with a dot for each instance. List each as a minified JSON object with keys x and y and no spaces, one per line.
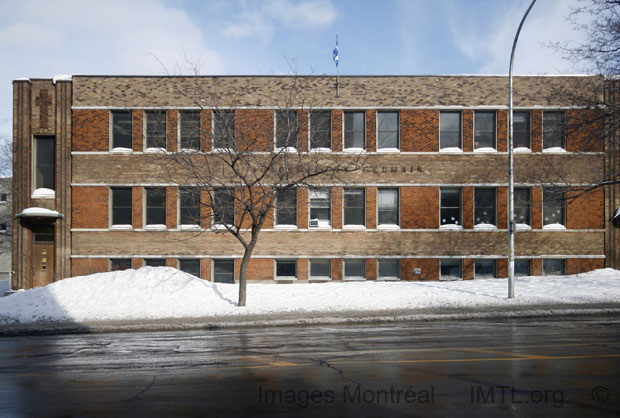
{"x":164,"y":292}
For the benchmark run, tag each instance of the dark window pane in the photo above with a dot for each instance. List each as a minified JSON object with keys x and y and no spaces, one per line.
{"x":122,"y":129}
{"x":553,"y":130}
{"x":121,"y":206}
{"x":553,"y":267}
{"x":450,"y":130}
{"x":45,"y":162}
{"x":286,"y":207}
{"x":224,"y":129}
{"x":354,"y":129}
{"x":286,"y":268}
{"x":521,"y":129}
{"x":484,"y":129}
{"x":44,"y":233}
{"x":190,"y":266}
{"x":522,"y":268}
{"x":120,"y":264}
{"x":321,"y":129}
{"x":156,"y":206}
{"x":387,"y":135}
{"x":388,"y":268}
{"x":450,"y":269}
{"x":190,"y":206}
{"x":224,"y":271}
{"x":484,"y":206}
{"x":553,"y":206}
{"x":387,"y":206}
{"x":156,"y":129}
{"x":484,"y":268}
{"x":450,"y":206}
{"x":522,"y":206}
{"x":155,"y":262}
{"x":354,"y":202}
{"x":190,"y":130}
{"x":224,"y":206}
{"x":355,"y":268}
{"x":320,"y":268}
{"x":287,"y":130}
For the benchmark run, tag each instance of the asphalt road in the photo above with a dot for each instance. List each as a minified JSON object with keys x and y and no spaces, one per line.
{"x":521,"y":368}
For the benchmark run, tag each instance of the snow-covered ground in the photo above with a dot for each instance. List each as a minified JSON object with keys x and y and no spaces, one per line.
{"x":163,"y":292}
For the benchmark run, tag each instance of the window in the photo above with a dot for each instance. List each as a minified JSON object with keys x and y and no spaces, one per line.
{"x":189,"y":199}
{"x":553,"y":130}
{"x":355,"y":269}
{"x":120,"y":264}
{"x":122,"y":129}
{"x":223,"y":129}
{"x":354,"y":130}
{"x":388,"y":269}
{"x":320,"y":269}
{"x":224,"y":206}
{"x":287,"y":131}
{"x":484,"y":206}
{"x":44,"y":152}
{"x":121,"y":206}
{"x":553,"y":267}
{"x":522,"y":199}
{"x":286,"y":269}
{"x":485,"y":269}
{"x":44,"y":233}
{"x":321,"y":129}
{"x":286,"y":207}
{"x":449,"y":130}
{"x":155,"y":262}
{"x":450,"y":269}
{"x":224,"y":271}
{"x":553,"y":206}
{"x":484,"y":130}
{"x":522,"y":268}
{"x":320,"y":207}
{"x":156,"y":206}
{"x":387,"y":207}
{"x":521,"y":129}
{"x":450,"y":212}
{"x":190,"y":266}
{"x":3,"y":227}
{"x":387,"y":131}
{"x":156,"y":129}
{"x":354,"y":207}
{"x":4,"y":197}
{"x":190,"y":129}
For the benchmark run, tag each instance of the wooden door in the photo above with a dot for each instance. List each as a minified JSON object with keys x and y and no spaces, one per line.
{"x":42,"y":264}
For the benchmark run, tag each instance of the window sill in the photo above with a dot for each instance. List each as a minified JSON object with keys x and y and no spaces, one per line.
{"x":286,"y":227}
{"x":155,"y":150}
{"x":522,"y":150}
{"x":388,"y":227}
{"x":451,"y":227}
{"x":449,"y":278}
{"x":43,"y":193}
{"x":354,"y":227}
{"x":388,"y":279}
{"x":319,"y":279}
{"x":554,"y":227}
{"x":354,"y":279}
{"x":221,"y":227}
{"x":554,"y":150}
{"x":155,"y":227}
{"x":221,"y":150}
{"x":485,"y":227}
{"x":354,"y":150}
{"x":285,"y":278}
{"x":189,"y":150}
{"x":286,"y":149}
{"x":320,"y":150}
{"x":320,"y":227}
{"x":189,"y":227}
{"x":121,"y":227}
{"x":121,"y":150}
{"x":485,"y":149}
{"x":523,"y":227}
{"x":388,"y":150}
{"x":451,"y":150}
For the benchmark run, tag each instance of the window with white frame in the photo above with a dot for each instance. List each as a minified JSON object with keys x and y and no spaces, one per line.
{"x":484,"y":129}
{"x":223,"y":129}
{"x":321,"y":129}
{"x":388,"y":130}
{"x":320,"y":269}
{"x":449,"y":130}
{"x":189,"y":202}
{"x":523,"y":206}
{"x":190,"y":129}
{"x":286,"y":269}
{"x":224,"y":271}
{"x":554,"y":202}
{"x":44,"y":162}
{"x":485,"y":269}
{"x":388,"y":269}
{"x":190,"y":266}
{"x":450,"y":269}
{"x":450,"y":211}
{"x":521,"y":130}
{"x":286,"y":207}
{"x":224,"y":206}
{"x":155,"y":262}
{"x":554,"y":130}
{"x":122,"y":207}
{"x":354,"y":207}
{"x":354,"y":269}
{"x":118,"y":264}
{"x":122,"y":129}
{"x":387,"y":207}
{"x":354,"y":130}
{"x":156,"y":129}
{"x":155,"y":206}
{"x":320,"y":208}
{"x":554,"y":267}
{"x":485,"y":208}
{"x":287,"y":129}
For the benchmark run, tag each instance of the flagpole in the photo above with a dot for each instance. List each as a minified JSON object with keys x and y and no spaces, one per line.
{"x":336,"y":59}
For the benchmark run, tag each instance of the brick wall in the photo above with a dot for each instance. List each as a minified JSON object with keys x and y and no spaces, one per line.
{"x":89,"y":207}
{"x":420,"y":207}
{"x":260,"y":269}
{"x":468,"y":130}
{"x":536,"y":138}
{"x":205,"y":130}
{"x":254,"y":129}
{"x":138,"y":198}
{"x":371,"y":130}
{"x":337,"y":139}
{"x":90,"y":130}
{"x":419,"y":130}
{"x":584,"y":131}
{"x":585,"y":210}
{"x":337,"y":209}
{"x":171,"y":126}
{"x":302,"y":207}
{"x":429,"y":268}
{"x":583,"y":265}
{"x":171,"y":207}
{"x":85,"y":266}
{"x":303,"y":124}
{"x":502,"y":130}
{"x":371,"y":207}
{"x":138,"y":130}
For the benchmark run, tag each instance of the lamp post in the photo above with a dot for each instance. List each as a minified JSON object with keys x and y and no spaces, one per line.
{"x":511,"y":182}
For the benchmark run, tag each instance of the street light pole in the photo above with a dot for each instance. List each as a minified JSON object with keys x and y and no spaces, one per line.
{"x":511,"y":180}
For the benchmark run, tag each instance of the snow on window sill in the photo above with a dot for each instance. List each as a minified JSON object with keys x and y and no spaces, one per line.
{"x":319,"y":279}
{"x":354,"y":227}
{"x":43,"y":193}
{"x":155,"y":150}
{"x":523,"y":227}
{"x":354,"y":279}
{"x":286,"y":227}
{"x":121,"y":227}
{"x":289,"y":150}
{"x":485,"y":227}
{"x":320,"y":149}
{"x":222,"y":149}
{"x":451,"y":227}
{"x":354,"y":150}
{"x":521,"y":149}
{"x":449,"y":278}
{"x":189,"y":227}
{"x":155,"y":227}
{"x":121,"y":150}
{"x":554,"y":227}
{"x":451,"y":149}
{"x":222,"y":227}
{"x":388,"y":226}
{"x":485,"y":149}
{"x":388,"y":279}
{"x":388,"y":150}
{"x":556,"y":150}
{"x":285,"y":278}
{"x":189,"y":150}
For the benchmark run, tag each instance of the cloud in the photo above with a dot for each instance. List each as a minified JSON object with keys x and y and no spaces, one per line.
{"x":262,"y":21}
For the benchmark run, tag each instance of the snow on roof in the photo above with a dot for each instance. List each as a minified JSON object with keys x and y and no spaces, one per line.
{"x":38,"y":212}
{"x":165,"y":292}
{"x":61,"y":77}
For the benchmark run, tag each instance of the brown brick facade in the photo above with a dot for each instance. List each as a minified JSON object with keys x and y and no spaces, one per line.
{"x":419,"y":130}
{"x":90,"y":130}
{"x":420,"y":207}
{"x":90,"y":207}
{"x":86,"y":266}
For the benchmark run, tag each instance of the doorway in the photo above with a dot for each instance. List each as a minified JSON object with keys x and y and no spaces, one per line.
{"x":43,"y":256}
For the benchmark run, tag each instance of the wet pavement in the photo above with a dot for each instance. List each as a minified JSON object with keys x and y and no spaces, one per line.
{"x":565,"y":366}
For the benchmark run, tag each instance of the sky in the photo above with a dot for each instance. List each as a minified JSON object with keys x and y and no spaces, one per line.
{"x":42,"y":38}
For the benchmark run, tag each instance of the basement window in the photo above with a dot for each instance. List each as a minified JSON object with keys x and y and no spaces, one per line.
{"x":155,"y":262}
{"x":451,"y":269}
{"x":190,"y":266}
{"x":354,"y":269}
{"x":485,"y":269}
{"x":224,"y":271}
{"x":120,"y":264}
{"x":321,"y":269}
{"x":286,"y":269}
{"x":388,"y":269}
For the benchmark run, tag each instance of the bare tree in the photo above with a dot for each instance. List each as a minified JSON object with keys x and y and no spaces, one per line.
{"x":245,"y":171}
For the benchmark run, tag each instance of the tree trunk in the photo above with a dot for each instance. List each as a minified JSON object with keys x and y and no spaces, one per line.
{"x":243,"y":279}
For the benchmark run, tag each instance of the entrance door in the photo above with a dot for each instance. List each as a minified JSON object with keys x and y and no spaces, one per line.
{"x":43,"y":256}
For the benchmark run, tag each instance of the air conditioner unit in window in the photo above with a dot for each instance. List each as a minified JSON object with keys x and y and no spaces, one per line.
{"x":314,"y":222}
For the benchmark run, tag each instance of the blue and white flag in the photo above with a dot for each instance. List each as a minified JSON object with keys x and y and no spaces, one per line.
{"x":335,"y":53}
